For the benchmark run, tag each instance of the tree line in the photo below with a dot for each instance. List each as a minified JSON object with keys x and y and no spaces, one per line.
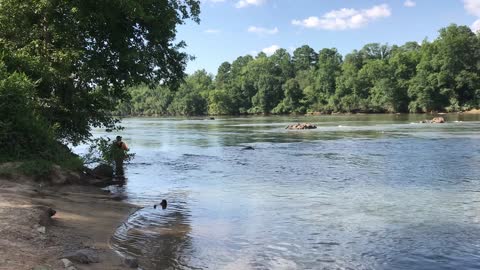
{"x":441,"y":75}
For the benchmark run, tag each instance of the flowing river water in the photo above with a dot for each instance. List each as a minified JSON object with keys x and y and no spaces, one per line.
{"x":359,"y":192}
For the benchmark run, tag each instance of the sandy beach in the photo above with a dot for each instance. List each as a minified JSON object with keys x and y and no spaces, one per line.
{"x":473,"y":111}
{"x":86,"y":217}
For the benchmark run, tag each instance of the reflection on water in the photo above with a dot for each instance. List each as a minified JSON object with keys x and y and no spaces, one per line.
{"x":159,"y":238}
{"x":359,"y":192}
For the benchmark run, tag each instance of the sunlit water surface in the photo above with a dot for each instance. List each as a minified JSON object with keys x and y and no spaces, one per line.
{"x":359,"y":192}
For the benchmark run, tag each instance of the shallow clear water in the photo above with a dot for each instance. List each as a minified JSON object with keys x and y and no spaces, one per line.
{"x":359,"y":192}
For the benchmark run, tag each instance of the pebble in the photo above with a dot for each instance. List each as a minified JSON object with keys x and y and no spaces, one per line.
{"x":66,"y":262}
{"x":42,"y":230}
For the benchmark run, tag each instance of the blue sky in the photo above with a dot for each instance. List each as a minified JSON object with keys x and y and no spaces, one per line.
{"x":231,"y":28}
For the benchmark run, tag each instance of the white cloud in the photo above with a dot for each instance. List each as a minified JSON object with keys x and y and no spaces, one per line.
{"x":409,"y":3}
{"x":262,"y":30}
{"x":271,"y":50}
{"x":212,"y":31}
{"x":246,"y":3}
{"x":472,"y":7}
{"x":476,"y":26}
{"x":345,"y":18}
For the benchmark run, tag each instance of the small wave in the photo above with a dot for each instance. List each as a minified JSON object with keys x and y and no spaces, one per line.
{"x":328,"y":243}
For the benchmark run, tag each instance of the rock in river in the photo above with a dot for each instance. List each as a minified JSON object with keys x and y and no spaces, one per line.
{"x":301,"y":126}
{"x":436,"y":120}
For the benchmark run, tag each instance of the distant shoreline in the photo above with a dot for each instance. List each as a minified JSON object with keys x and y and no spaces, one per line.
{"x":207,"y":117}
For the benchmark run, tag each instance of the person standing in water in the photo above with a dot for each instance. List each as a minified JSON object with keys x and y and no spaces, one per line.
{"x":119,"y":152}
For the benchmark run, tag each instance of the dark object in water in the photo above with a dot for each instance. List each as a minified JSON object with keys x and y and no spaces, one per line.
{"x":248,"y":148}
{"x":163,"y":204}
{"x":212,"y":118}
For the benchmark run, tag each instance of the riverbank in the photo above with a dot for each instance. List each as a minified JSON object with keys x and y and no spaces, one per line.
{"x":86,"y":217}
{"x":473,"y":111}
{"x":213,"y":116}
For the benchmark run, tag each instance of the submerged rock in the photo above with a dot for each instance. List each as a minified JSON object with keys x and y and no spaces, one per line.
{"x":302,"y":126}
{"x":84,"y":256}
{"x":248,"y":148}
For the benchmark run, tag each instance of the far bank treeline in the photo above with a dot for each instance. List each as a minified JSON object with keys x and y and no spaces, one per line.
{"x":442,"y":75}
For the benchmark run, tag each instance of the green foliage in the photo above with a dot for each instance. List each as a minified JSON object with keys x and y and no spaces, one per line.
{"x":292,"y":102}
{"x":24,"y":133}
{"x":219,"y":103}
{"x":66,"y":65}
{"x":146,"y":101}
{"x":82,"y":55}
{"x":442,"y":75}
{"x":102,"y":150}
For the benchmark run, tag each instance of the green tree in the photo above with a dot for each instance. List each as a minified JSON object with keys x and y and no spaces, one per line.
{"x":239,"y":89}
{"x":84,"y":54}
{"x":191,"y":98}
{"x":219,"y":103}
{"x":351,"y":93}
{"x":224,"y":75}
{"x":329,"y":66}
{"x":448,"y":73}
{"x":292,"y":102}
{"x":262,"y":79}
{"x":404,"y":62}
{"x":304,"y":58}
{"x":375,"y":51}
{"x":283,"y":60}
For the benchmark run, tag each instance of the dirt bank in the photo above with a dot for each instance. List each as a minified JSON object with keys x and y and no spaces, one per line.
{"x":86,"y":217}
{"x":474,"y":111}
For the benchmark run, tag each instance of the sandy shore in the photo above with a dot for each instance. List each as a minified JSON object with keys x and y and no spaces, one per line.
{"x":474,"y":111}
{"x":86,"y":218}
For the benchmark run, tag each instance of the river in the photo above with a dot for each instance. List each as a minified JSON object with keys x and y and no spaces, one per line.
{"x":359,"y":192}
